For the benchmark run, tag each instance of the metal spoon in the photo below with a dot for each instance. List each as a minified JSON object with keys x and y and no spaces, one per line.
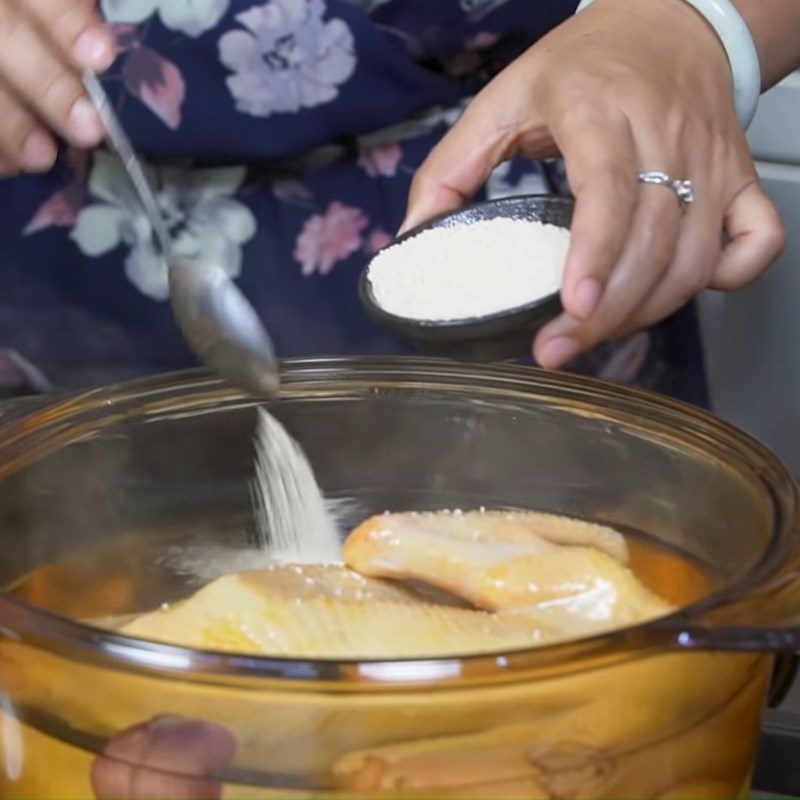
{"x":217,"y":321}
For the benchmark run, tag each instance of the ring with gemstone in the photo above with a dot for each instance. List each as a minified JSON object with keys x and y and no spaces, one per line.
{"x":684,"y":190}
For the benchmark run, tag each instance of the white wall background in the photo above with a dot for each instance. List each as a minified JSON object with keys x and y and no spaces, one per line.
{"x":752,"y":338}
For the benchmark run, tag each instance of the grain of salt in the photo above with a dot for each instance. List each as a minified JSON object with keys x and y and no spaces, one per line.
{"x":470,"y":270}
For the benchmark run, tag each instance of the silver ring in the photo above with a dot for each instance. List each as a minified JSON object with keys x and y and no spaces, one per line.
{"x":684,"y":190}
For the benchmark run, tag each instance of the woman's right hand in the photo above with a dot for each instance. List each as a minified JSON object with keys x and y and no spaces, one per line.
{"x":44,"y":46}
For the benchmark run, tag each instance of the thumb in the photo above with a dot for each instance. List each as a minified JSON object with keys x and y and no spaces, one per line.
{"x":457,"y":167}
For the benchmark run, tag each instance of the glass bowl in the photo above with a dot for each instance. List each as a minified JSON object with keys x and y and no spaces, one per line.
{"x":115,"y":501}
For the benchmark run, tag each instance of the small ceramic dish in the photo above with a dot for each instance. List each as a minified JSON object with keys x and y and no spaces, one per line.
{"x":494,"y":337}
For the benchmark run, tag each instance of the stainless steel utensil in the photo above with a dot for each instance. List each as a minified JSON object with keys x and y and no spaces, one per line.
{"x":217,"y":321}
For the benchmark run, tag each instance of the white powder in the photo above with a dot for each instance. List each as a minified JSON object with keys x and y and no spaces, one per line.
{"x":199,"y":562}
{"x":294,"y":522}
{"x":470,"y":270}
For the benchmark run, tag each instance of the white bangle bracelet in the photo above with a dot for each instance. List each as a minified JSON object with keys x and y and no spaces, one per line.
{"x":735,"y":36}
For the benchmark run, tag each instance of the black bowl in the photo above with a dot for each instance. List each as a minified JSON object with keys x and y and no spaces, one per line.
{"x":495,"y":337}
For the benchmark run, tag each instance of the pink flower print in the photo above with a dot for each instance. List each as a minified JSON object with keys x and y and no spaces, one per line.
{"x":329,"y":238}
{"x":627,"y":360}
{"x":468,"y":60}
{"x":381,"y":161}
{"x":126,"y":36}
{"x":482,"y":41}
{"x":58,"y":211}
{"x":61,"y":209}
{"x":157,"y":82}
{"x":377,"y":240}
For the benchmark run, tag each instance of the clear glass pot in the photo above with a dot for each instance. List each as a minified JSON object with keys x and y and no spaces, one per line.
{"x":106,"y":499}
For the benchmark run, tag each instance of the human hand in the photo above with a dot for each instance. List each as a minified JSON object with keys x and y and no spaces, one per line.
{"x":620,"y":89}
{"x":44,"y":45}
{"x":167,"y":757}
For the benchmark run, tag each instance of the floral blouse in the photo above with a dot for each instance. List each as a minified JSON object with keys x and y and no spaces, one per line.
{"x":282,"y":136}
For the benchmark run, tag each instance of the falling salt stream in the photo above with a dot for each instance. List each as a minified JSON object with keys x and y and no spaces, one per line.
{"x":294,"y":522}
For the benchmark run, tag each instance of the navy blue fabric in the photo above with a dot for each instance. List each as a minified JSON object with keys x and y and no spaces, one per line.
{"x":85,"y":308}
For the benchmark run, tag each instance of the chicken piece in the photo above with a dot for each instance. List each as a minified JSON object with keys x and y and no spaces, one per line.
{"x":327,"y":612}
{"x":477,"y":762}
{"x":568,"y":577}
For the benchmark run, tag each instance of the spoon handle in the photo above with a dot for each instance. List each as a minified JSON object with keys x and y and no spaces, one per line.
{"x":120,"y":142}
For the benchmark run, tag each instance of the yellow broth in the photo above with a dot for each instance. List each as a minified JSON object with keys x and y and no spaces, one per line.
{"x":660,"y":725}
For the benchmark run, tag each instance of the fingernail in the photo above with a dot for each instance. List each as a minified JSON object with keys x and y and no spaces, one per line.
{"x":39,"y":152}
{"x":93,"y":49}
{"x":411,"y":221}
{"x":587,"y":296}
{"x":406,"y":226}
{"x":558,"y":352}
{"x":84,"y":124}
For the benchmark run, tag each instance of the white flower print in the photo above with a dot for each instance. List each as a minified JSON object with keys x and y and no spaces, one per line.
{"x":206,"y":223}
{"x":289,"y":58}
{"x":530,"y":181}
{"x":192,"y":17}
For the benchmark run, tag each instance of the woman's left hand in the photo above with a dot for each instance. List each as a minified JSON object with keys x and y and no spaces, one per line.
{"x":620,"y":89}
{"x":168,"y":756}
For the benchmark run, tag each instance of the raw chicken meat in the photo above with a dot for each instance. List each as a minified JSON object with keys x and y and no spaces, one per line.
{"x":484,"y":582}
{"x":570,"y":577}
{"x":327,"y":611}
